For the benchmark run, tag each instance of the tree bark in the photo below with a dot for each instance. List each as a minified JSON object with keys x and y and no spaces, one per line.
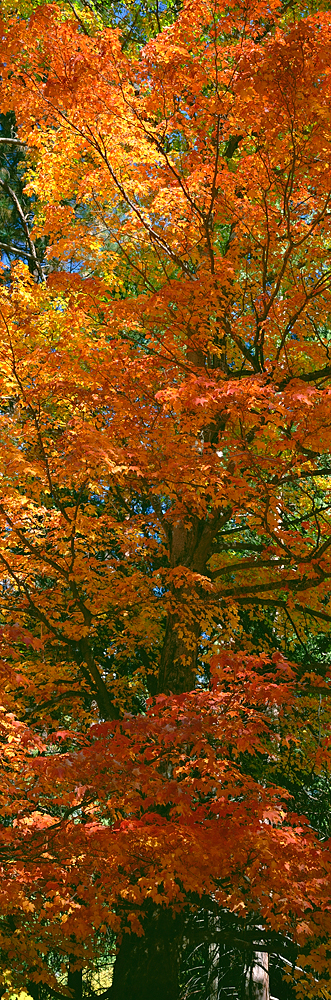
{"x":190,"y":548}
{"x":213,"y":971}
{"x":147,"y":968}
{"x":257,"y":977}
{"x":178,"y":666}
{"x":75,"y":980}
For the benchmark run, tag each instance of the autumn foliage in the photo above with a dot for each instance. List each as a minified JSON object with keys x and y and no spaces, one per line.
{"x":165,"y":521}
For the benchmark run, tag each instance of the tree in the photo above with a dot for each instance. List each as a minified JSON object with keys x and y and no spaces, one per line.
{"x":16,"y":210}
{"x":165,"y":426}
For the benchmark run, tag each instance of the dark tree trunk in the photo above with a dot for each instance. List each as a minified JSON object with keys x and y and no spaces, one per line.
{"x":147,"y":968}
{"x":190,"y":548}
{"x":178,"y":666}
{"x":75,"y":980}
{"x":33,"y":989}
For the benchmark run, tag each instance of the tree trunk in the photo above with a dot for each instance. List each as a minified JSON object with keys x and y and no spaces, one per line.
{"x":75,"y":980}
{"x":257,"y":977}
{"x":213,"y":971}
{"x":190,"y":548}
{"x":147,"y":968}
{"x":178,"y":666}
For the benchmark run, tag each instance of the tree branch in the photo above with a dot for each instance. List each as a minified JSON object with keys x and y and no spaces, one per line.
{"x":13,"y":196}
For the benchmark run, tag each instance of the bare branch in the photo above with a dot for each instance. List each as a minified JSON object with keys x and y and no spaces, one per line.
{"x":9,"y":190}
{"x":12,"y":142}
